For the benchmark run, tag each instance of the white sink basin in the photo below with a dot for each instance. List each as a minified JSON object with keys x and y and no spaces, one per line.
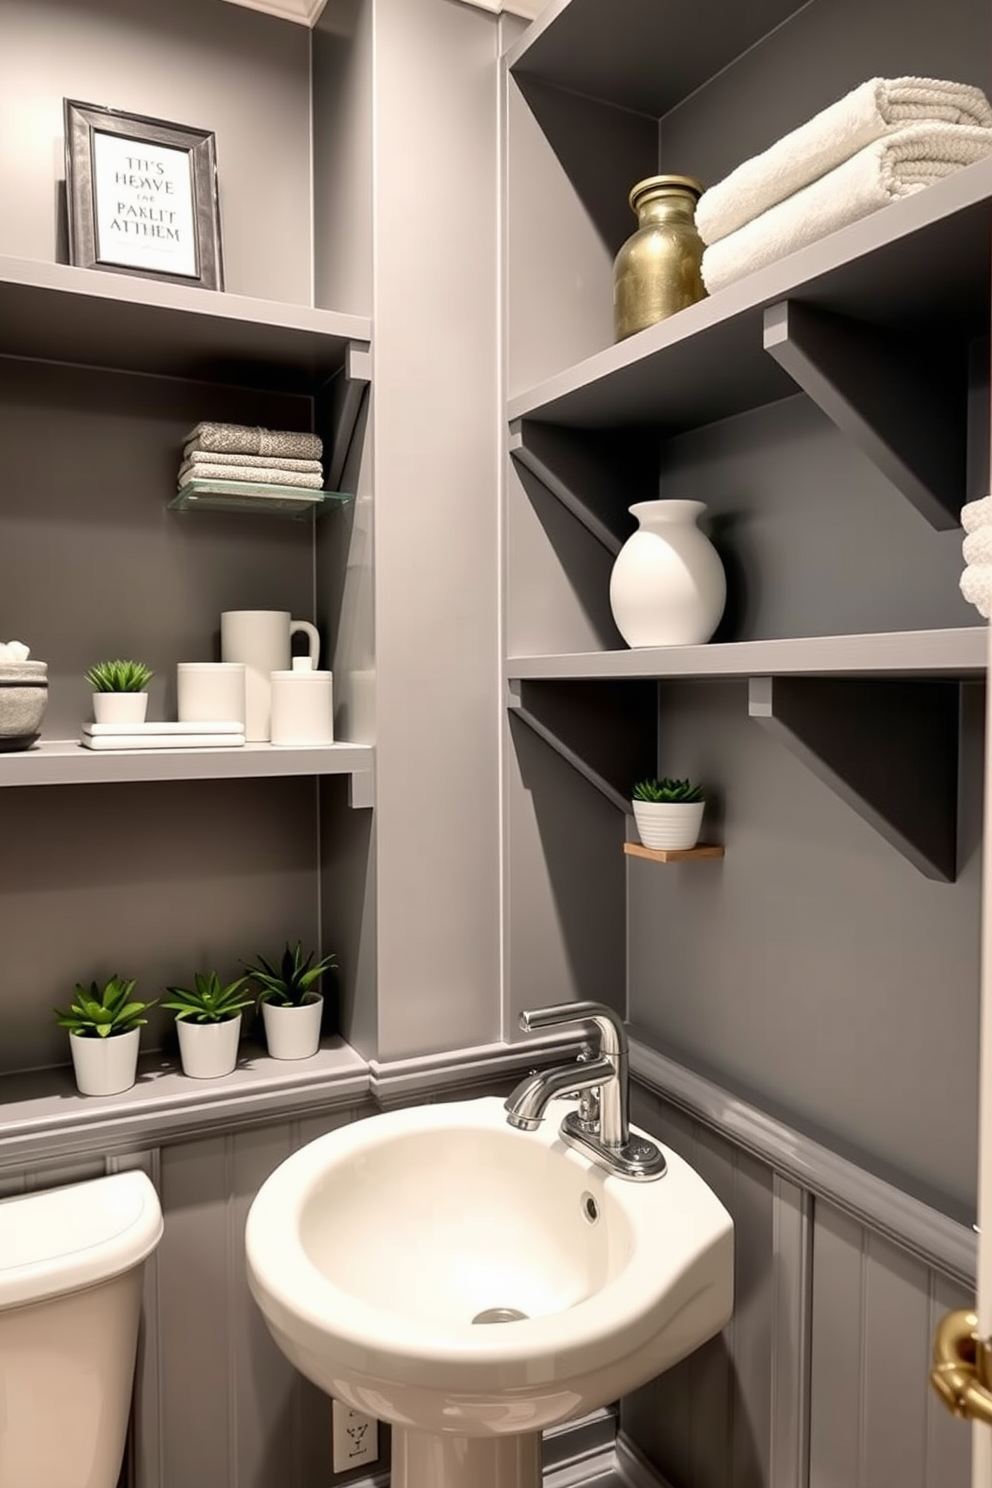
{"x":376,"y":1252}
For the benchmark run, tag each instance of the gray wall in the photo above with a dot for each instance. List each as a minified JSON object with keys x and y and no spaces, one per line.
{"x":214,"y":66}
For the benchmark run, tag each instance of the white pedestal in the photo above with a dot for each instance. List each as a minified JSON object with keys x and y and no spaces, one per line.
{"x":422,"y":1460}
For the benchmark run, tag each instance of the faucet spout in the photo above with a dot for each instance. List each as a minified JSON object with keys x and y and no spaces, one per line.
{"x":526,"y":1105}
{"x":600,"y":1128}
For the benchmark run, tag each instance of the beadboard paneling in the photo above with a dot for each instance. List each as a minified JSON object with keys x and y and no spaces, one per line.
{"x":874,"y":1419}
{"x":821,"y":1378}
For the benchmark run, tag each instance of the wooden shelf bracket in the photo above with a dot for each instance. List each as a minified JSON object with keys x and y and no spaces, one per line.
{"x":912,"y":426}
{"x":889,"y":748}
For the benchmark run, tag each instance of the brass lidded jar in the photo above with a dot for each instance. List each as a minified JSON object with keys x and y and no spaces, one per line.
{"x":656,"y":272}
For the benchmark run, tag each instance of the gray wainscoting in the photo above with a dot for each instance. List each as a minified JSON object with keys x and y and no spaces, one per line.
{"x":820,"y":1379}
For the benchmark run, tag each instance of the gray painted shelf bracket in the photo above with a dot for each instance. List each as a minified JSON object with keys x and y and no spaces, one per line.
{"x":525,"y":448}
{"x":889,"y":748}
{"x":601,"y":734}
{"x":347,"y":392}
{"x":911,"y":423}
{"x":361,"y":790}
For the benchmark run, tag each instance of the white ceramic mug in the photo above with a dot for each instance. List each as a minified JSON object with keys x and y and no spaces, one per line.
{"x":302,"y":707}
{"x":262,"y":640}
{"x":210,"y":692}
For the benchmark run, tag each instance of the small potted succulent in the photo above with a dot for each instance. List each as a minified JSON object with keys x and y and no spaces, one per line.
{"x":668,"y":813}
{"x":208,"y":1022}
{"x":120,"y":691}
{"x":291,"y":1007}
{"x":104,"y":1029}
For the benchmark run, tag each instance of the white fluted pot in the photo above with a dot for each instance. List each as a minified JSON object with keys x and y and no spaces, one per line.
{"x":668,"y":587}
{"x":675,"y":825}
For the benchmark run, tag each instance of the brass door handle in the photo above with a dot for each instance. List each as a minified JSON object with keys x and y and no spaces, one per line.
{"x":962,"y":1367}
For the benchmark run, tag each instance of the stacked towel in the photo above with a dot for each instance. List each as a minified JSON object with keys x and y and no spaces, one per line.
{"x":976,"y":581}
{"x":241,"y":455}
{"x":888,"y":138}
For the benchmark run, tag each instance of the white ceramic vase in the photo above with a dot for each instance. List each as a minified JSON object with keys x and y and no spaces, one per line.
{"x":208,"y":1050}
{"x":120,"y":707}
{"x":292,"y":1032}
{"x":668,"y":587}
{"x":105,"y":1066}
{"x":674,"y":825}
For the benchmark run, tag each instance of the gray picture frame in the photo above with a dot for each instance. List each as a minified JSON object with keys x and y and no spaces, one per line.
{"x":90,"y":128}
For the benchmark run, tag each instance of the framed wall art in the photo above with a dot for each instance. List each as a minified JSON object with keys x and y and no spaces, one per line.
{"x":142,"y":196}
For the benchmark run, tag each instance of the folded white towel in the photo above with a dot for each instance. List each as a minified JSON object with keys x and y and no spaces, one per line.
{"x":242,"y":439}
{"x":899,"y":165}
{"x":194,"y":456}
{"x":876,"y":108}
{"x":257,"y":475}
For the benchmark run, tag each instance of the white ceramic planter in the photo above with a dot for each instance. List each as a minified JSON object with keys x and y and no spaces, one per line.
{"x":208,"y":1050}
{"x":669,"y":824}
{"x":292,"y":1032}
{"x":667,"y":587}
{"x":105,"y":1066}
{"x":120,"y":707}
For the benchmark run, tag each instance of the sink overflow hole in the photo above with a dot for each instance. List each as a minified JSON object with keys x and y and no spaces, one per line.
{"x":590,"y":1208}
{"x":500,"y":1315}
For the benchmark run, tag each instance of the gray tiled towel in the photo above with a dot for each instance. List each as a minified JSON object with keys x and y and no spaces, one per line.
{"x":240,"y":439}
{"x":193,"y":456}
{"x":265,"y":475}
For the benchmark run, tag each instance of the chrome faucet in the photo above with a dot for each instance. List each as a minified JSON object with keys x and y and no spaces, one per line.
{"x":600,"y":1127}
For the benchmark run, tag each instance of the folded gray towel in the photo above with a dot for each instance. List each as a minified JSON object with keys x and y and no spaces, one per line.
{"x":252,"y":475}
{"x":240,"y":439}
{"x":194,"y":456}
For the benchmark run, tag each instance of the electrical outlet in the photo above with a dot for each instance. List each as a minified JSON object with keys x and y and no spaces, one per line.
{"x":354,"y":1437}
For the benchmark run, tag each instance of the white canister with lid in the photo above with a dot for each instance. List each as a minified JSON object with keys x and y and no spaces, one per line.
{"x":302,"y":705}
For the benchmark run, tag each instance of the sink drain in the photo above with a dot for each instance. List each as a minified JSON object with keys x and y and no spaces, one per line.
{"x":500,"y":1315}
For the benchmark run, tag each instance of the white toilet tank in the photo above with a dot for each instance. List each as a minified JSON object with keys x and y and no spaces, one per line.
{"x":70,"y":1298}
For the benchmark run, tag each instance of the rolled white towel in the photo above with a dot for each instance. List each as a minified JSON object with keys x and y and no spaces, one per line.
{"x":899,"y":165}
{"x":976,"y":581}
{"x":976,"y":586}
{"x":870,"y":111}
{"x":977,"y":514}
{"x":977,"y":547}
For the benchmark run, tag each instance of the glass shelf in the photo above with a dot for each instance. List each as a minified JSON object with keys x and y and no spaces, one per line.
{"x":242,"y":496}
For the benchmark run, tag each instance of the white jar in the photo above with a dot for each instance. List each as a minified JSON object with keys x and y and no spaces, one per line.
{"x":668,"y":586}
{"x":302,"y":706}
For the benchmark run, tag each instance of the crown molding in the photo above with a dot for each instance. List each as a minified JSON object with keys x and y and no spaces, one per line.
{"x":303,"y":12}
{"x":307,"y":12}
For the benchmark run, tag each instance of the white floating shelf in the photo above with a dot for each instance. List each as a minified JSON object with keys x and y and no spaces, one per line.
{"x":921,"y":653}
{"x":66,"y":762}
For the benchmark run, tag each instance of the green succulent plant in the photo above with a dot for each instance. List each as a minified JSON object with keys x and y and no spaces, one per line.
{"x":119,"y":676}
{"x":97,"y":1013}
{"x":667,"y":791}
{"x":208,"y":1000}
{"x":292,"y":983}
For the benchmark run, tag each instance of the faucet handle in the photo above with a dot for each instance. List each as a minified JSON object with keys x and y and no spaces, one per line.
{"x":612,"y":1034}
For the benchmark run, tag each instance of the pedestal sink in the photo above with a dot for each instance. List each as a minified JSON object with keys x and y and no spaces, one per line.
{"x":474,"y":1285}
